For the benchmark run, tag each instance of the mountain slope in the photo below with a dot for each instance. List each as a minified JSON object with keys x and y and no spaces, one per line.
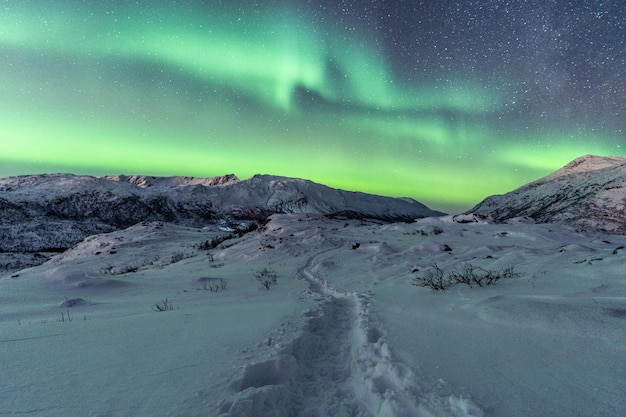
{"x":587,"y":193}
{"x":43,"y":212}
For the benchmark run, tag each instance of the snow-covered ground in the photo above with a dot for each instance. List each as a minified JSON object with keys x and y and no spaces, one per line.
{"x":341,"y":331}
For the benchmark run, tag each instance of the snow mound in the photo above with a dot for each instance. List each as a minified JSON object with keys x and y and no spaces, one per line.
{"x":471,"y":218}
{"x":272,"y":372}
{"x":429,"y":248}
{"x":73,"y":302}
{"x":66,"y":277}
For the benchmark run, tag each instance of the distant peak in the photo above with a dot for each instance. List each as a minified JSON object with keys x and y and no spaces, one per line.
{"x":587,"y":163}
{"x":592,"y":162}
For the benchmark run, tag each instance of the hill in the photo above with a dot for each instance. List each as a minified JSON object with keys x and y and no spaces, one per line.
{"x":588,"y":193}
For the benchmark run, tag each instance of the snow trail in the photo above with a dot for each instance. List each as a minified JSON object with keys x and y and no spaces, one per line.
{"x":376,"y":386}
{"x":340,"y":365}
{"x":324,"y":355}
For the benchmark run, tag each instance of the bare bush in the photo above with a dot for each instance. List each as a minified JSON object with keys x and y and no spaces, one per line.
{"x":433,"y":279}
{"x":129,"y":268}
{"x":467,"y":273}
{"x":179,"y":256}
{"x":215,"y":242}
{"x":65,"y":317}
{"x":266,"y":277}
{"x":164,"y":305}
{"x":214,"y":285}
{"x":120,"y":270}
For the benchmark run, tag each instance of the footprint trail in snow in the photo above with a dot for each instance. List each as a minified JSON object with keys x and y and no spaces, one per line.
{"x":340,"y":366}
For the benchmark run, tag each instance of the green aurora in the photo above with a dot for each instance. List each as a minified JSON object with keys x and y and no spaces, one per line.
{"x":187,"y":89}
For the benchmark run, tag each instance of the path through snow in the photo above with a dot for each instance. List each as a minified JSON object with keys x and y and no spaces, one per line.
{"x":340,"y":365}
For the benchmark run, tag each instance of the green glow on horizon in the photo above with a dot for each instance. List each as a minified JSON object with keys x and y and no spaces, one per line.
{"x":561,"y":150}
{"x":111,"y":151}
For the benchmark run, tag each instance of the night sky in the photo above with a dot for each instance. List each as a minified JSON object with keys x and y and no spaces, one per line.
{"x":443,"y":101}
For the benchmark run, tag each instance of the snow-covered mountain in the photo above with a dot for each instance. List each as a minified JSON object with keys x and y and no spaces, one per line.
{"x":53,"y":212}
{"x":588,"y":193}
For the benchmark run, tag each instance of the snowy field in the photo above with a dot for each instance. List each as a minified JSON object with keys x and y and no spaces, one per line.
{"x":313,"y":317}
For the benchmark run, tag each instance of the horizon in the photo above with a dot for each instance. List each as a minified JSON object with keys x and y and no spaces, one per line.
{"x":444,"y":103}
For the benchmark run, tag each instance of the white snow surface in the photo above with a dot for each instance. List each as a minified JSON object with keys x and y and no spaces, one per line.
{"x":341,"y":332}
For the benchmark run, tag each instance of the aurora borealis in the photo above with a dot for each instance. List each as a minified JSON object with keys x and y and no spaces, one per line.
{"x":446,"y":102}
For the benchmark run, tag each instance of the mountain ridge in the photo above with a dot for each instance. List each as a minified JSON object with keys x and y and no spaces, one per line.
{"x":588,"y":193}
{"x":55,"y":211}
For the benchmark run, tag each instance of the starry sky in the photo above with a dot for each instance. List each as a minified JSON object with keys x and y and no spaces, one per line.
{"x":443,"y":101}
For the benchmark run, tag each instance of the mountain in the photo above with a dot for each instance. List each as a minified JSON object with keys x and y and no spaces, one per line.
{"x":54,"y":211}
{"x":588,"y":193}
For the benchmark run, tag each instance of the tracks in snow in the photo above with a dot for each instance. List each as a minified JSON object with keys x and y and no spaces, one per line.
{"x":363,"y":379}
{"x":339,"y":366}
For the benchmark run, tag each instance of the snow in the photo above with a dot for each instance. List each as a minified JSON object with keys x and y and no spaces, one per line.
{"x":342,"y":332}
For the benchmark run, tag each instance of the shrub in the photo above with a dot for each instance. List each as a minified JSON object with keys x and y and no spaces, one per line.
{"x":468,"y":274}
{"x":433,"y":279}
{"x":120,"y":270}
{"x":164,"y":305}
{"x":215,"y":242}
{"x":266,"y":277}
{"x":247,"y":229}
{"x":214,"y":285}
{"x":128,"y":268}
{"x":179,"y":256}
{"x":207,"y":245}
{"x":64,"y":317}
